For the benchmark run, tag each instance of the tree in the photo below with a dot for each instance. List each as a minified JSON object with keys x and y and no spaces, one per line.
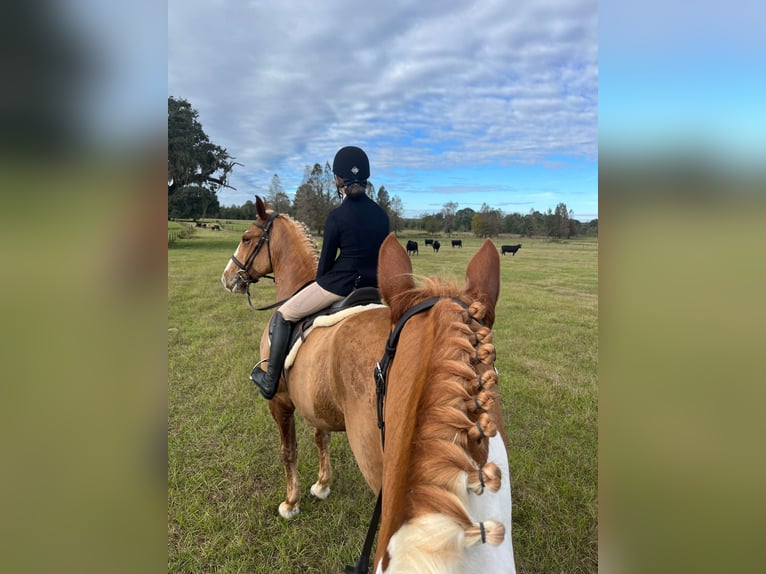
{"x":488,"y":222}
{"x":192,"y":202}
{"x":514,"y":223}
{"x":463,"y":219}
{"x":534,"y":223}
{"x":315,"y":197}
{"x":558,"y":222}
{"x":392,"y":207}
{"x":384,"y":200}
{"x":448,"y":212}
{"x":192,"y":158}
{"x":397,"y":211}
{"x":433,"y":222}
{"x":276,"y":197}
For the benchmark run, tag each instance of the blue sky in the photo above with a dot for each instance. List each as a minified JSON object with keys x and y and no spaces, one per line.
{"x":459,"y":101}
{"x":672,"y":78}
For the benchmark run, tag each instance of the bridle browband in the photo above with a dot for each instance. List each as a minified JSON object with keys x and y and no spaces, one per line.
{"x":381,"y":382}
{"x":244,"y":273}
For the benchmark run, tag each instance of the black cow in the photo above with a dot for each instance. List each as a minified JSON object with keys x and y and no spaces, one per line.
{"x":457,"y":243}
{"x":436,"y":246}
{"x":412,"y":247}
{"x":512,"y":249}
{"x":429,"y":241}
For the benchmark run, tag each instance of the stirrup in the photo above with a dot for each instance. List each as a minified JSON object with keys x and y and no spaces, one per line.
{"x":258,"y":364}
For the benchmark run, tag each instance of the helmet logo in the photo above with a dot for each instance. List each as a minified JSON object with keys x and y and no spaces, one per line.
{"x":354,"y":170}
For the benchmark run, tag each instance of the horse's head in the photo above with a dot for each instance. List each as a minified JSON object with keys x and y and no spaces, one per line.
{"x":397,"y":286}
{"x":441,"y":415}
{"x":252,"y":258}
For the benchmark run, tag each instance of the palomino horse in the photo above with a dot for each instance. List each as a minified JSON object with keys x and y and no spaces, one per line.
{"x":446,"y":483}
{"x":444,"y":432}
{"x":331,"y":381}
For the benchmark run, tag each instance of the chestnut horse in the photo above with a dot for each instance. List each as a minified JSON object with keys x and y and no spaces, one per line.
{"x":446,"y":482}
{"x":330,"y":382}
{"x":442,"y":415}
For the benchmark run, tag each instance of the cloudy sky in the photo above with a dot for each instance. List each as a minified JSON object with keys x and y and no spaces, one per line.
{"x":485,"y":101}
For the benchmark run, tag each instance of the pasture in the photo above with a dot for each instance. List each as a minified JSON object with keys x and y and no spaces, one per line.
{"x":225,"y":479}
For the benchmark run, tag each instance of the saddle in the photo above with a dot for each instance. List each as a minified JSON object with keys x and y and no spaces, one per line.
{"x":358,"y":297}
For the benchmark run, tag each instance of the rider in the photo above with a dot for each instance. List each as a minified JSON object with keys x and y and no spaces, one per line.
{"x":357,"y":227}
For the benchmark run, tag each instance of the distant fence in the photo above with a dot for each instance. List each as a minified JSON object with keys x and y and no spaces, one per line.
{"x":187,"y":231}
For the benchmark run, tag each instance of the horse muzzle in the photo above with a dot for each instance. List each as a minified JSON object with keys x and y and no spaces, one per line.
{"x":234,"y":283}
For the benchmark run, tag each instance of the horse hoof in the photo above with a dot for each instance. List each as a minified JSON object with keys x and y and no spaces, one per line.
{"x":319,"y":492}
{"x":288,"y":511}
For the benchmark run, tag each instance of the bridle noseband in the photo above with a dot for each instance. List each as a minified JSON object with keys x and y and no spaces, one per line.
{"x":244,"y":273}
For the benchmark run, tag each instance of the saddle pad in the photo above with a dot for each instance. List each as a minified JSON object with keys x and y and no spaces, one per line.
{"x":326,"y":321}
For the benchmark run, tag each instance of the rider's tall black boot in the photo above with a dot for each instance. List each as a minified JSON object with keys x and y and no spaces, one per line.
{"x":268,"y":381}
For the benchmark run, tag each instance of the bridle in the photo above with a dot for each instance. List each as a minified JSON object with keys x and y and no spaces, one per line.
{"x":244,"y":273}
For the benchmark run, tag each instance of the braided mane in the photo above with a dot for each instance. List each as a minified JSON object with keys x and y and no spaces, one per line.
{"x":449,"y":446}
{"x":308,"y":239}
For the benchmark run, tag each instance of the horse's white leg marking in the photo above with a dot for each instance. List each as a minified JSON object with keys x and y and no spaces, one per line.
{"x":487,"y":558}
{"x":321,"y":488}
{"x":288,"y":511}
{"x":319,"y":492}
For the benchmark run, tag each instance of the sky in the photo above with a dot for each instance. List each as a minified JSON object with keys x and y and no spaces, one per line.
{"x":671,"y":79}
{"x":470,"y":102}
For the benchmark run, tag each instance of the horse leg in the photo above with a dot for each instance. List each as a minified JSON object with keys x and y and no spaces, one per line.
{"x":321,"y":488}
{"x":282,"y":410}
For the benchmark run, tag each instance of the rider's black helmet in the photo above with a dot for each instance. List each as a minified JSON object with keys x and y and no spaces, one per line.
{"x":351,"y":165}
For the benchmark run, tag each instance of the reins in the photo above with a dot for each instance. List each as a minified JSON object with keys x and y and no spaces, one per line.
{"x":278,"y":303}
{"x":381,"y":382}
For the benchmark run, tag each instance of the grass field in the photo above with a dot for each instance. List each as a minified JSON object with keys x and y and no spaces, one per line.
{"x":225,"y":480}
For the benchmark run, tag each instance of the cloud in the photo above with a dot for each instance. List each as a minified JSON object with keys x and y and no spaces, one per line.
{"x":284,"y":85}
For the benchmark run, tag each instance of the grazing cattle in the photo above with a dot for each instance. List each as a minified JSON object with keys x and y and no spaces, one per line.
{"x":429,"y":241}
{"x":436,"y":246}
{"x":457,"y":243}
{"x":412,"y":247}
{"x":512,"y":249}
{"x":215,"y":227}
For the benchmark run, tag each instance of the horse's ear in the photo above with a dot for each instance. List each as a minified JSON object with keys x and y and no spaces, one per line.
{"x":260,"y":208}
{"x":482,"y":278}
{"x":394,"y":269}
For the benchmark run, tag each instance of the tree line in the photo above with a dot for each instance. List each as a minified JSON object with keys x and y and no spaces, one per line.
{"x":198,"y":169}
{"x":489,"y":222}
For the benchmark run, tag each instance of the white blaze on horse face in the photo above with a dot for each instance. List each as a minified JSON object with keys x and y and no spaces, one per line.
{"x":228,"y":270}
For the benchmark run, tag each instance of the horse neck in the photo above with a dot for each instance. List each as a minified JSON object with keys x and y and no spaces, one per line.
{"x":402,"y":398}
{"x":293,"y":257}
{"x":429,"y":449}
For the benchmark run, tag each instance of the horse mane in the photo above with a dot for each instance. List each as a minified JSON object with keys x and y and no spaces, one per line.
{"x":302,"y":239}
{"x":305,"y":234}
{"x":455,"y":417}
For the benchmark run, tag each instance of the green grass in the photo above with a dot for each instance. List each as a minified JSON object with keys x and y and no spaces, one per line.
{"x":225,"y":480}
